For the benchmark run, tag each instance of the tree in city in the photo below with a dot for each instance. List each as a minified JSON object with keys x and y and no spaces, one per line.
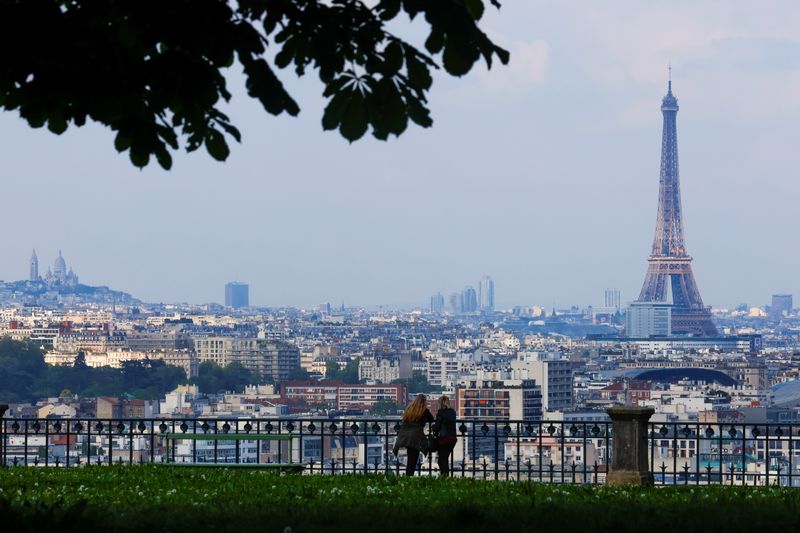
{"x":155,"y":72}
{"x":22,"y":367}
{"x":417,"y":383}
{"x":25,"y":377}
{"x":299,"y":374}
{"x":348,"y":374}
{"x":385,"y":407}
{"x":212,"y":378}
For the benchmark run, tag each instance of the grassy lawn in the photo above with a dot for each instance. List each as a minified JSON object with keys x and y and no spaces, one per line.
{"x":156,"y":498}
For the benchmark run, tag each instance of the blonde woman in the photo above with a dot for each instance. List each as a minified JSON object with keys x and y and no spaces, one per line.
{"x":444,"y":428}
{"x":412,"y":432}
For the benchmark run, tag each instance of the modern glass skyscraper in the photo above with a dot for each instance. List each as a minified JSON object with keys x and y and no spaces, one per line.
{"x":612,"y":298}
{"x":780,"y":303}
{"x":469,"y":300}
{"x":486,"y":294}
{"x":437,"y":303}
{"x":237,"y":294}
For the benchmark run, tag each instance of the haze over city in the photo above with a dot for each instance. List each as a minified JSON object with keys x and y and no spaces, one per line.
{"x":542,"y":174}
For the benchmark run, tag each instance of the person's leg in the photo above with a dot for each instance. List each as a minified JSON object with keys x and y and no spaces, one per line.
{"x":445,"y":451}
{"x":441,"y":460}
{"x":412,"y":456}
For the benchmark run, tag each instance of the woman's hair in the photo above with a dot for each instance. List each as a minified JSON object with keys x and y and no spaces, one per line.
{"x":414,"y":412}
{"x":444,"y":402}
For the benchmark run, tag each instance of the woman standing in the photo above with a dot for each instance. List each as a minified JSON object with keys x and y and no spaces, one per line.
{"x":445,"y":430}
{"x":412,"y":433}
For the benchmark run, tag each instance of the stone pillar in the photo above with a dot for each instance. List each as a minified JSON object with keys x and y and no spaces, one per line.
{"x":629,"y":464}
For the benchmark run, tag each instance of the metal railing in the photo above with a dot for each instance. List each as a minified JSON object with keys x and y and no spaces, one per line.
{"x":556,"y":452}
{"x":680,"y":453}
{"x":683,"y":453}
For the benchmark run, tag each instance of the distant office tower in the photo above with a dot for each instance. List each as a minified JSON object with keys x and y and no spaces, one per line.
{"x":486,"y":294}
{"x":437,"y":303}
{"x":649,"y":319}
{"x":34,"y":267}
{"x":612,"y":298}
{"x":237,"y":294}
{"x":780,"y":303}
{"x":669,"y":267}
{"x":469,"y":300}
{"x":454,"y":303}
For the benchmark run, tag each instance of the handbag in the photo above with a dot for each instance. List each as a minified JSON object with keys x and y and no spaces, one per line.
{"x":433,"y":443}
{"x":448,"y":440}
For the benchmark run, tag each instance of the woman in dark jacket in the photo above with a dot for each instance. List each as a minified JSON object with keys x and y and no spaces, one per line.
{"x":444,"y":427}
{"x":412,"y":432}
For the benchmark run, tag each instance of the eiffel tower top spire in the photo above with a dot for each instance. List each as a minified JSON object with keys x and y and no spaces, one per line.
{"x":669,"y":102}
{"x":669,"y":237}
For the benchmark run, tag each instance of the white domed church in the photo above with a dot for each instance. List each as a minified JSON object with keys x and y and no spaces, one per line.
{"x":59,"y":274}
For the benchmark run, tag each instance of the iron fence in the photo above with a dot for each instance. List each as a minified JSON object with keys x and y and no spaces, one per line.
{"x":717,"y":453}
{"x":685,"y":453}
{"x":557,"y":451}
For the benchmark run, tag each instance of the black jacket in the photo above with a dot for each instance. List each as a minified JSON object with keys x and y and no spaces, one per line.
{"x":412,"y":434}
{"x":445,"y":423}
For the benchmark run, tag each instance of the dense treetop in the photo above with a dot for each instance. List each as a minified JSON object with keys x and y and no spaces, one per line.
{"x":153,"y":71}
{"x":25,"y":377}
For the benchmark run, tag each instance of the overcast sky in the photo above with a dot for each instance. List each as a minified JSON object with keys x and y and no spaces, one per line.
{"x":543,"y":174}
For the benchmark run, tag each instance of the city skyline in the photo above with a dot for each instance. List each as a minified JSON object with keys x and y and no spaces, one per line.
{"x":564,"y":161}
{"x":482,"y":298}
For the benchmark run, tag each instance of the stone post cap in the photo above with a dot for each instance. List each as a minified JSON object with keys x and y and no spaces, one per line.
{"x":623,"y":412}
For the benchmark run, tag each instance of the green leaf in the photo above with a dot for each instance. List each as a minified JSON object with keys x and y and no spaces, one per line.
{"x":231,"y":130}
{"x":502,"y":54}
{"x":122,"y":142}
{"x":457,"y":58}
{"x":57,"y":124}
{"x":419,"y":76}
{"x":393,"y":110}
{"x":435,"y":41}
{"x":393,"y":57}
{"x":474,"y":8}
{"x":164,"y":158}
{"x":216,"y":145}
{"x":354,"y":120}
{"x":287,"y":53}
{"x":388,"y":9}
{"x":418,"y":112}
{"x":335,"y":110}
{"x":139,"y":158}
{"x":264,"y":85}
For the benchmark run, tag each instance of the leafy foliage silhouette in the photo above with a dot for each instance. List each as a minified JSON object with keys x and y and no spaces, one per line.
{"x":25,"y":377}
{"x":153,"y":71}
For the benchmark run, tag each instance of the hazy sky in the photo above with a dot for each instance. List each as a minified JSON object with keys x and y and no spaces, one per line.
{"x":543,"y":174}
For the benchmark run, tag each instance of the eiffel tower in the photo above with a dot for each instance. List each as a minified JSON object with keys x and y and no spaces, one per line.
{"x":669,"y":267}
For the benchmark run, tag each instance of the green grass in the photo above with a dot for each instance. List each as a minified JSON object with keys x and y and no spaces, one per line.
{"x":130,"y":498}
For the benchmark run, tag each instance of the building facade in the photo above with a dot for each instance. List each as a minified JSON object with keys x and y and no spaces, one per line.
{"x":469,"y":300}
{"x":237,"y":295}
{"x":491,"y":396}
{"x":486,"y":294}
{"x":335,"y":395}
{"x":437,"y":303}
{"x":267,"y":358}
{"x":781,"y":303}
{"x":649,"y":319}
{"x":550,"y":372}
